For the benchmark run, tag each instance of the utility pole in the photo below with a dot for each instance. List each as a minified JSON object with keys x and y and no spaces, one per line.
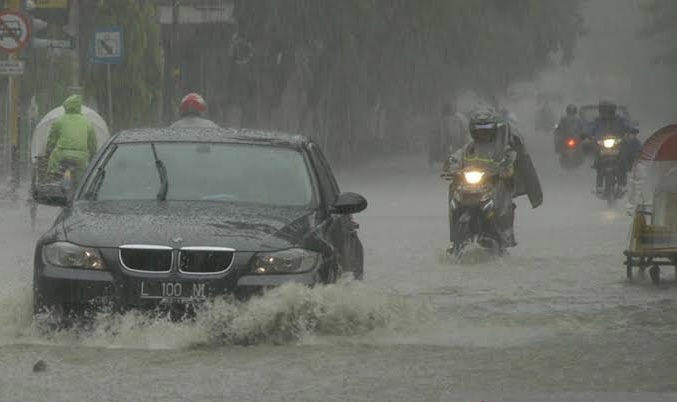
{"x":170,"y":64}
{"x":14,"y":112}
{"x":73,"y":29}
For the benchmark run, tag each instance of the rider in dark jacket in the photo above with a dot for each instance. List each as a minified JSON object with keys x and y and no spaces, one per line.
{"x":493,"y":139}
{"x":609,"y":122}
{"x":569,"y":125}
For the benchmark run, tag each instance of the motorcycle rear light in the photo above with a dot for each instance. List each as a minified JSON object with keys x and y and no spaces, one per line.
{"x":571,"y":143}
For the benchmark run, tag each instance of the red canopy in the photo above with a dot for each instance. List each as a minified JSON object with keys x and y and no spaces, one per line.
{"x":661,"y":146}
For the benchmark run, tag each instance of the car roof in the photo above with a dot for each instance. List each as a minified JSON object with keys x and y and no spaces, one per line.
{"x":210,"y":135}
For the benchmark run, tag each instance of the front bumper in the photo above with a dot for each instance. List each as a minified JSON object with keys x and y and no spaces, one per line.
{"x":67,"y":286}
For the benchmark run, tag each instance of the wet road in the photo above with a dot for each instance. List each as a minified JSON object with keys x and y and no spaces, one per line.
{"x":555,"y":320}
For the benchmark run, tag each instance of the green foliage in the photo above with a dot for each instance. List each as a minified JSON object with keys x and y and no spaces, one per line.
{"x":661,"y":26}
{"x":408,"y":53}
{"x":136,"y":83}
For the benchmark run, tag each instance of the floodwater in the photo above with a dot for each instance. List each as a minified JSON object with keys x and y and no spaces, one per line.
{"x":554,"y":320}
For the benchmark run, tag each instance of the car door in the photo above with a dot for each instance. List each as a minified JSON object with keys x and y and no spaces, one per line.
{"x":341,"y":229}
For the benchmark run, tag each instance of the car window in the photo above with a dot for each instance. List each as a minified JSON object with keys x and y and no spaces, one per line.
{"x":213,"y":172}
{"x":325,"y":175}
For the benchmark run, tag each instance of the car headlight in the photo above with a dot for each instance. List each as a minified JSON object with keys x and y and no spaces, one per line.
{"x":609,"y":142}
{"x":68,"y":255}
{"x":292,"y":261}
{"x":473,"y":176}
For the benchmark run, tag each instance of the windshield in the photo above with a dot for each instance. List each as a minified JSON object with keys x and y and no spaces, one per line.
{"x":205,"y":172}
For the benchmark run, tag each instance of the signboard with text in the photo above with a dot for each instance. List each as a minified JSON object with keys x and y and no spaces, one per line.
{"x":11,"y":67}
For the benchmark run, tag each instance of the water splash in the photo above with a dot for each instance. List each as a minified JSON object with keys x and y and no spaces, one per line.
{"x":288,"y":314}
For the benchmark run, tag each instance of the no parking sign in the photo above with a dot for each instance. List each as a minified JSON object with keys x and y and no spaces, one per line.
{"x":15,"y":31}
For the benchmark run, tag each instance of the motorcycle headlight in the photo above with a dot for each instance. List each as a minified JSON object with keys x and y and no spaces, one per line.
{"x":608,"y":142}
{"x":68,"y":255}
{"x":473,"y":176}
{"x":292,"y":261}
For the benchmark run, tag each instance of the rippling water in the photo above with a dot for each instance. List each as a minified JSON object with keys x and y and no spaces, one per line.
{"x":553,"y":320}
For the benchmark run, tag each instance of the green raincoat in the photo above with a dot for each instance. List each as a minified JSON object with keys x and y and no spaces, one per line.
{"x":72,"y":138}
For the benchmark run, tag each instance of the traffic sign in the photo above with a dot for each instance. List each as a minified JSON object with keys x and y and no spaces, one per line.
{"x":11,"y":67}
{"x":107,"y":46}
{"x":40,"y":43}
{"x":15,"y":31}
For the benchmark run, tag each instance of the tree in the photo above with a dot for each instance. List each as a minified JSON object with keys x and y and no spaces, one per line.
{"x":661,"y":27}
{"x":396,"y":56}
{"x":136,"y":82}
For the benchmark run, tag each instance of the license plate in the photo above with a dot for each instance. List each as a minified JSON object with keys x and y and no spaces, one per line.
{"x":173,"y":290}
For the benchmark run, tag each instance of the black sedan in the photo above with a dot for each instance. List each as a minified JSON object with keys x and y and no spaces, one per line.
{"x":172,"y":217}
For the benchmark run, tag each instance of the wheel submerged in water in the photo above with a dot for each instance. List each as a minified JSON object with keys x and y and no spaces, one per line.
{"x":655,"y":274}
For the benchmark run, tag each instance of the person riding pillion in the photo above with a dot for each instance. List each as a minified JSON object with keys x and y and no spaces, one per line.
{"x":193,"y":110}
{"x":490,"y":141}
{"x":72,"y":139}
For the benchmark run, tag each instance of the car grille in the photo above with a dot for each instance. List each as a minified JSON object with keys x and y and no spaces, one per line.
{"x":205,"y":260}
{"x":146,"y":258}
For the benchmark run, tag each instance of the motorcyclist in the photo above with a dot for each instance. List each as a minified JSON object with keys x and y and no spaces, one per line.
{"x":489,"y":133}
{"x":609,"y":122}
{"x":569,"y":125}
{"x":71,"y":139}
{"x":193,"y":109}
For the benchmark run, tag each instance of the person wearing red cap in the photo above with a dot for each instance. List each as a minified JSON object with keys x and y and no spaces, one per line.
{"x":193,"y":109}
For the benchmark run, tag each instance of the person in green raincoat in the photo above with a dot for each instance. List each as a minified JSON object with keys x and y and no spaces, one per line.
{"x":71,"y":138}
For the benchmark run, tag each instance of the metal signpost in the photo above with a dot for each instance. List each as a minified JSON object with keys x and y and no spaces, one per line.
{"x":15,"y":34}
{"x":108,"y":49}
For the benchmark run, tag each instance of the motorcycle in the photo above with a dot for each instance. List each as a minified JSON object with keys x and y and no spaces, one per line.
{"x":64,"y":182}
{"x":610,"y":167}
{"x":472,"y":214}
{"x":571,"y":154}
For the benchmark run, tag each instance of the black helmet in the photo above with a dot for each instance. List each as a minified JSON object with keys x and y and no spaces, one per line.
{"x":571,"y":109}
{"x":607,"y":108}
{"x":484,"y":125}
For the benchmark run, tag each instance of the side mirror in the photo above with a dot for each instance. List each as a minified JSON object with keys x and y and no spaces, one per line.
{"x":349,"y":203}
{"x":53,"y":195}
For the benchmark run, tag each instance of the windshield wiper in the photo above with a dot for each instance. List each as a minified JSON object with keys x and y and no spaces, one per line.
{"x":162,"y":172}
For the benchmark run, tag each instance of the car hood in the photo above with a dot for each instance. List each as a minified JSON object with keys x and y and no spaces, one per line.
{"x":178,"y":224}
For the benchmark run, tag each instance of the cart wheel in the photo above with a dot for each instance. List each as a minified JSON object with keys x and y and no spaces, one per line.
{"x":655,"y":273}
{"x":34,"y":214}
{"x":628,"y":268}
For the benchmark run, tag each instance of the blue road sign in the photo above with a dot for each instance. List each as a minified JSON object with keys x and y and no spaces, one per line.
{"x":107,"y":46}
